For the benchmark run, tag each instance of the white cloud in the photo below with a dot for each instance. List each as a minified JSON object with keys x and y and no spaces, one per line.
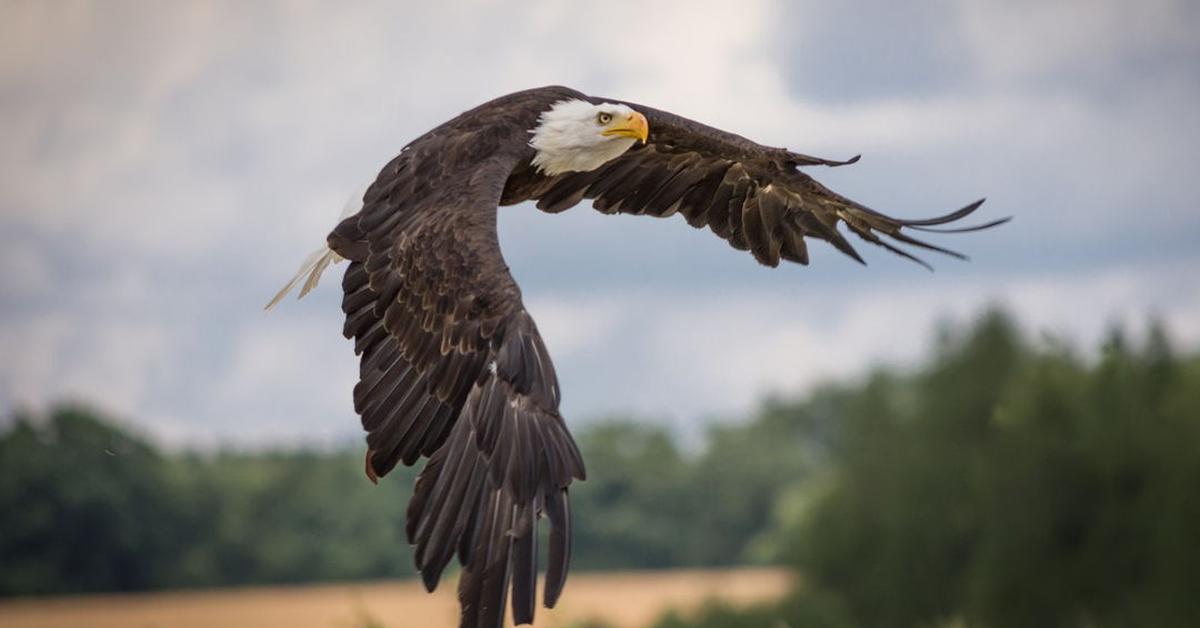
{"x":687,"y":356}
{"x":571,"y":324}
{"x":287,"y":380}
{"x":1023,"y":40}
{"x":23,"y":270}
{"x":66,"y":356}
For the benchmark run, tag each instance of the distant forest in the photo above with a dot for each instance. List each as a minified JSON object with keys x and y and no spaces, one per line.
{"x":1003,"y":482}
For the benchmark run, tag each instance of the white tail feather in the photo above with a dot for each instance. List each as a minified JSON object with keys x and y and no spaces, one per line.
{"x":313,"y":266}
{"x":318,"y":260}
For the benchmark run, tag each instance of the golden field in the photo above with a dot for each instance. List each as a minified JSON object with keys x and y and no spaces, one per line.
{"x":623,"y":599}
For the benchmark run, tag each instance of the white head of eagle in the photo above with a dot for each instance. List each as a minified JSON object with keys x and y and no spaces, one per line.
{"x":575,"y":135}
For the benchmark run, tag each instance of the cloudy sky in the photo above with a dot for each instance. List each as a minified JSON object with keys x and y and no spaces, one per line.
{"x":165,"y":166}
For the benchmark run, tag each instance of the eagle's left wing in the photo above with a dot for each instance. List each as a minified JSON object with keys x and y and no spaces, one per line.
{"x":751,"y":195}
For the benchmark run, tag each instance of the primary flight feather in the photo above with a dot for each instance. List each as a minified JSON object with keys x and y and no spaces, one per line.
{"x":452,"y":366}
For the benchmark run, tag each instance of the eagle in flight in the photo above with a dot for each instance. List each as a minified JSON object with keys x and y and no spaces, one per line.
{"x":452,"y":367}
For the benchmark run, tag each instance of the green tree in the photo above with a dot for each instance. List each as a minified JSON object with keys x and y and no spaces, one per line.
{"x":84,"y":506}
{"x":1004,"y":485}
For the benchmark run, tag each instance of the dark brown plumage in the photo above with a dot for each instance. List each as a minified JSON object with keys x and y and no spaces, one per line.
{"x":452,"y":366}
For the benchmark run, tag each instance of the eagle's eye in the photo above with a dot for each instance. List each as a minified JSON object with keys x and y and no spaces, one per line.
{"x":603,"y":118}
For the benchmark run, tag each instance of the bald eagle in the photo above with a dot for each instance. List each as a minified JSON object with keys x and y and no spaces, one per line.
{"x":452,"y":366}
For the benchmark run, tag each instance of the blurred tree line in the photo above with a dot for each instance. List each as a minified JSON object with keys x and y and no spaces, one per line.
{"x":87,"y":505}
{"x":1002,"y":483}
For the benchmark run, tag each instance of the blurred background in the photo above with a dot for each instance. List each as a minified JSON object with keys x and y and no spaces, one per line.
{"x":1009,"y":441}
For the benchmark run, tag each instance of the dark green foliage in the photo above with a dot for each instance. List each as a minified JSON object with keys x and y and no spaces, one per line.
{"x":83,"y":507}
{"x":1004,"y":485}
{"x":646,"y":504}
{"x":87,"y":507}
{"x":1000,"y":485}
{"x":629,"y":511}
{"x":282,"y":516}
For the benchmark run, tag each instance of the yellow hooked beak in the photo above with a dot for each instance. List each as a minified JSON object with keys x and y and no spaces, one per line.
{"x":634,"y":126}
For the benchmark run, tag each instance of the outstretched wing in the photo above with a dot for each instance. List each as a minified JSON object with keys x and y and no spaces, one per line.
{"x":751,"y":195}
{"x":453,"y":368}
